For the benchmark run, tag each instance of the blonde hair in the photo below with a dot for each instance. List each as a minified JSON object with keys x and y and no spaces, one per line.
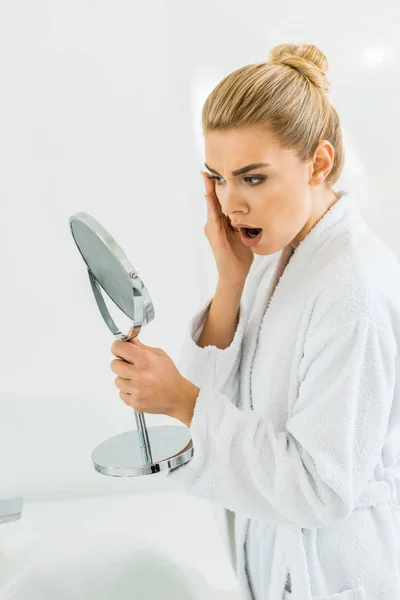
{"x":288,"y":95}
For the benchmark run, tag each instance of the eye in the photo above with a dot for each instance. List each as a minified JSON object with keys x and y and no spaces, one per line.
{"x":260,"y":179}
{"x":254,"y":177}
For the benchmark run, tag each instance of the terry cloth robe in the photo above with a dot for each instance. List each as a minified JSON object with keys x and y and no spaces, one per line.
{"x":296,"y":428}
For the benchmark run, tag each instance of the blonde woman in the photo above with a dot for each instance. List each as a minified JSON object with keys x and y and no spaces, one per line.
{"x":295,"y":427}
{"x":296,"y":424}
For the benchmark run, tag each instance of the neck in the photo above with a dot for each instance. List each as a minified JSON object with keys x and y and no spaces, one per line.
{"x":320,"y":207}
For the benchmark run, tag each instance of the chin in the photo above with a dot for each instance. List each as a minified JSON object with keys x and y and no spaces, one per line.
{"x":263,"y":251}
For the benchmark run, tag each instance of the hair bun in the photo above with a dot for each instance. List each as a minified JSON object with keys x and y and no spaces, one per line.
{"x":305,"y":58}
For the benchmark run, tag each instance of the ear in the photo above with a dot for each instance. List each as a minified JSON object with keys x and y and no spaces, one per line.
{"x":323,"y":162}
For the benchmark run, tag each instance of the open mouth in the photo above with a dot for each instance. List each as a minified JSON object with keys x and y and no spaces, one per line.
{"x":251,"y":232}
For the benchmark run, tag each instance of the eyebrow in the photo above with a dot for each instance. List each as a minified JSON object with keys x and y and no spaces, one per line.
{"x":242,"y":170}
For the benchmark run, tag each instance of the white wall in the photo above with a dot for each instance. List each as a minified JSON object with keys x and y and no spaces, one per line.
{"x":100,"y":112}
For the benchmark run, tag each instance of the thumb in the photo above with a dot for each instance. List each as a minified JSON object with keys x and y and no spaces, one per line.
{"x":136,"y":341}
{"x":140,"y":344}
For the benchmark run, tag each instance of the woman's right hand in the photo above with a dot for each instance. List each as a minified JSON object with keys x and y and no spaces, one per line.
{"x":232,"y":257}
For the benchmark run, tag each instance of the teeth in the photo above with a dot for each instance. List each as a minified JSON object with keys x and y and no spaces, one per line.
{"x":252,"y":233}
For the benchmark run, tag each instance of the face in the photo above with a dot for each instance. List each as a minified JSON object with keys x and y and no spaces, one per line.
{"x":285,"y":199}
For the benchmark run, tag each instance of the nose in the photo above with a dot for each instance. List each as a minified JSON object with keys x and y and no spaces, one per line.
{"x":230,"y":201}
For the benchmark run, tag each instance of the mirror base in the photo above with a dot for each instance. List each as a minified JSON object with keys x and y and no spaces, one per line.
{"x":121,"y":455}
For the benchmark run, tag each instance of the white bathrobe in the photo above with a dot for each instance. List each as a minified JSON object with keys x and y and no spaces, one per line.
{"x":296,"y":428}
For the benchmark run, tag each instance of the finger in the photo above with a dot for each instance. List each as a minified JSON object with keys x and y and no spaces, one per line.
{"x":213,"y":203}
{"x":212,"y":211}
{"x":122,"y":368}
{"x":234,"y":230}
{"x":212,"y":214}
{"x":209,"y":184}
{"x":131,"y":401}
{"x":136,"y":341}
{"x":126,"y":351}
{"x":118,"y":348}
{"x":114,"y":365}
{"x":126,"y":398}
{"x":123,"y":384}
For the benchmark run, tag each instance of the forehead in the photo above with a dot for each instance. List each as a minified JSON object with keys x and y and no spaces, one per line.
{"x":238,"y":147}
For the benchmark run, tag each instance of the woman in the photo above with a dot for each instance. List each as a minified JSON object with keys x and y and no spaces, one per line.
{"x":291,"y":376}
{"x":295,"y":428}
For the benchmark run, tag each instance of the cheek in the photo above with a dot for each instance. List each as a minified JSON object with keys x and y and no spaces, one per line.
{"x":277,"y":211}
{"x":285,"y":215}
{"x":295,"y":213}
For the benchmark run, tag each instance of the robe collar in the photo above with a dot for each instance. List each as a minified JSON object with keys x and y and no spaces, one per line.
{"x":343,"y":215}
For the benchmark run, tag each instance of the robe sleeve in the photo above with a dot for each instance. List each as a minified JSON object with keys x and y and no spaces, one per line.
{"x":312,"y":473}
{"x":211,"y":365}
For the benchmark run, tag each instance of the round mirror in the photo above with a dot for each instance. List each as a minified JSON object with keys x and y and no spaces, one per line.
{"x":145,"y":451}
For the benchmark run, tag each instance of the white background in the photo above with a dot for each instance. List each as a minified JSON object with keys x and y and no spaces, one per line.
{"x":100,"y":111}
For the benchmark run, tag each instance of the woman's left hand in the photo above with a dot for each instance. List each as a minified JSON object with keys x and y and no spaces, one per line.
{"x":150,"y":382}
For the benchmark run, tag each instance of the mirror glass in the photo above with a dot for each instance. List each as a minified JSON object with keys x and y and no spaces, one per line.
{"x":101,"y":258}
